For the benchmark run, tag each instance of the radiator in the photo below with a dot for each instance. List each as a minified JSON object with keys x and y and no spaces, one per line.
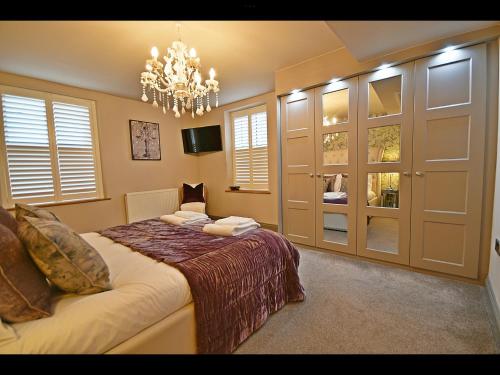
{"x":144,"y":205}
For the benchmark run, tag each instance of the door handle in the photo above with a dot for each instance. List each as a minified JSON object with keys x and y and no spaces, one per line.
{"x":318,"y":175}
{"x":406,"y":173}
{"x":311,"y":174}
{"x":418,"y":173}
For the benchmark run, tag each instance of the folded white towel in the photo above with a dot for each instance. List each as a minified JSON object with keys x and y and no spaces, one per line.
{"x":176,"y":220}
{"x":229,"y":230}
{"x":190,"y":215}
{"x":235,"y":220}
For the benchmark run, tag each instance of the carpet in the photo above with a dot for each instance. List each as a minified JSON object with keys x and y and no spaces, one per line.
{"x":356,"y":306}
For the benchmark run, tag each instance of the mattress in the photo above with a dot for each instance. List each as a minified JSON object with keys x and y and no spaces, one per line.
{"x":144,"y":292}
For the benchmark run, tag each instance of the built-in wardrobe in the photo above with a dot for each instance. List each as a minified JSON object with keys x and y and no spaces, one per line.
{"x":389,"y":165}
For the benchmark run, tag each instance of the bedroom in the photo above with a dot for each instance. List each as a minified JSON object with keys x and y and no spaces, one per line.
{"x":358,"y":175}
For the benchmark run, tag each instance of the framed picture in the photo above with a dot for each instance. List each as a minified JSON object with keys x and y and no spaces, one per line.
{"x":145,"y":140}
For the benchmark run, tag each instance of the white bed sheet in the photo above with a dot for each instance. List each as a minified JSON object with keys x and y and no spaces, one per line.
{"x":144,"y":292}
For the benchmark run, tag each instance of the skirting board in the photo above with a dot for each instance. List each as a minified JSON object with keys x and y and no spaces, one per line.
{"x":495,"y":311}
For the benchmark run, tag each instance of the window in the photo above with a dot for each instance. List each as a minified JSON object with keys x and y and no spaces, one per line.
{"x":48,"y":148}
{"x":250,"y":152}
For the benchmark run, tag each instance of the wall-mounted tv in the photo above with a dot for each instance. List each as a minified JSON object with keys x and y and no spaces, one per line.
{"x":203,"y":139}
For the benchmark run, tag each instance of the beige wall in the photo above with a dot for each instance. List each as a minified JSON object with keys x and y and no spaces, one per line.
{"x":494,"y":274}
{"x":215,"y":167}
{"x":121,"y":174}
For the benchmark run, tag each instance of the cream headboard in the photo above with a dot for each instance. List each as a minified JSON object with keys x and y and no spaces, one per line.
{"x":144,"y":205}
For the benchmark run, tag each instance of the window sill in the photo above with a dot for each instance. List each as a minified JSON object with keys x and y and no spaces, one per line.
{"x":65,"y":203}
{"x":248,"y":191}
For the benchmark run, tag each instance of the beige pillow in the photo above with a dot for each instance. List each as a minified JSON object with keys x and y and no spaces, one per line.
{"x":24,"y":291}
{"x":23,"y":210}
{"x":65,"y":258}
{"x":7,"y":333}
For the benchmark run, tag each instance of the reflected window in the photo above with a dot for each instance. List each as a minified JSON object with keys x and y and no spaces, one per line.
{"x":384,"y":144}
{"x":382,"y":234}
{"x":384,"y":97}
{"x":383,"y":190}
{"x":335,"y":107}
{"x":335,"y":148}
{"x":335,"y":188}
{"x":335,"y":227}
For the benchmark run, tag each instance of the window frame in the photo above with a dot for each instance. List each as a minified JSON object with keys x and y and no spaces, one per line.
{"x":248,"y":112}
{"x":49,"y":98}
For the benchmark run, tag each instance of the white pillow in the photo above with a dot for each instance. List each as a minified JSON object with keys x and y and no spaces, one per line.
{"x":338,"y":182}
{"x":7,"y":333}
{"x":193,"y":206}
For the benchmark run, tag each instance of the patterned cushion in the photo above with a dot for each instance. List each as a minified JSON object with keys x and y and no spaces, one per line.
{"x":64,"y":257}
{"x":8,"y":220}
{"x":343,"y":184}
{"x":24,"y":291}
{"x":23,"y":210}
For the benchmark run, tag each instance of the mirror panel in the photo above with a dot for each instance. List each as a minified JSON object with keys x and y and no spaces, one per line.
{"x":384,"y":97}
{"x":383,"y":189}
{"x":335,"y":188}
{"x":335,"y":107}
{"x":335,"y":148}
{"x":335,"y":227}
{"x":382,"y":234}
{"x":384,"y":144}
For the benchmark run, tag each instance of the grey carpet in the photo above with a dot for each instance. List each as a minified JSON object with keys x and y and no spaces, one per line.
{"x":355,"y":306}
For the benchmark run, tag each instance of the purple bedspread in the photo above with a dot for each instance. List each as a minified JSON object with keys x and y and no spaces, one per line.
{"x":335,"y":200}
{"x":236,"y":282}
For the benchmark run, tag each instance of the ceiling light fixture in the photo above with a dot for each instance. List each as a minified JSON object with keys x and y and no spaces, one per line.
{"x":295,"y":91}
{"x":448,"y":49}
{"x":178,"y":81}
{"x":384,"y":66}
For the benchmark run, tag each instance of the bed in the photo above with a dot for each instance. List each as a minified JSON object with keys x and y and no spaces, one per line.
{"x":151,"y":308}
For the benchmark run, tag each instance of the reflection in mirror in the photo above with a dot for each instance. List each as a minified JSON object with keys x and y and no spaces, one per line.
{"x":335,"y":148}
{"x":336,"y":107}
{"x":384,"y":97}
{"x":382,"y":234}
{"x":384,"y":144}
{"x":335,"y":188}
{"x":335,"y":227}
{"x":383,"y":190}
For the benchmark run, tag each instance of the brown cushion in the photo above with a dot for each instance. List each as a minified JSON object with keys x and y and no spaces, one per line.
{"x":8,"y":220}
{"x":64,"y":257}
{"x":23,"y":210}
{"x":24,"y":291}
{"x":192,"y":194}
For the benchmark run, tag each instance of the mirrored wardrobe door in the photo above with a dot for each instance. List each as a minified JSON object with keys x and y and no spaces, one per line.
{"x":385,"y":125}
{"x":336,"y":157}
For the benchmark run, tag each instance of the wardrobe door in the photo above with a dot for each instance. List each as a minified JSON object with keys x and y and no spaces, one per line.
{"x":449,"y":133}
{"x":298,"y":181}
{"x":385,"y":125}
{"x":336,"y":154}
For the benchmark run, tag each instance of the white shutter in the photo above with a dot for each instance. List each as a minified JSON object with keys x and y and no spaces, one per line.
{"x":75,"y":151}
{"x":27,"y":149}
{"x":260,"y":171}
{"x":241,"y":159}
{"x":250,"y":154}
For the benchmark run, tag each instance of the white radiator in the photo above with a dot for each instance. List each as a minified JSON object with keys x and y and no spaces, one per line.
{"x":144,"y":205}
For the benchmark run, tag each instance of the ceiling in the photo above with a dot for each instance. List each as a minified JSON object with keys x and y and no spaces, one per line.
{"x":109,"y":56}
{"x":369,"y":39}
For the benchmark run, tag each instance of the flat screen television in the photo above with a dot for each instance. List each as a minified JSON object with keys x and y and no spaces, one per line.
{"x":203,"y":139}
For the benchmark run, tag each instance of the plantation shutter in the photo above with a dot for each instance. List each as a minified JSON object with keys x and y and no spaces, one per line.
{"x":250,"y":153}
{"x":75,"y":151}
{"x":259,"y":151}
{"x":27,"y":149}
{"x":49,"y":149}
{"x":241,"y":152}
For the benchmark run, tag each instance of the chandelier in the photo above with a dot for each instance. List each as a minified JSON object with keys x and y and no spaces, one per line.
{"x":177,"y":82}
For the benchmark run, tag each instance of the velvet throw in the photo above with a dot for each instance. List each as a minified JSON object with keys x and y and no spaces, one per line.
{"x":236,"y":282}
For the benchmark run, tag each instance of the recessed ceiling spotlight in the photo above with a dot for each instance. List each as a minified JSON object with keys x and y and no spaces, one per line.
{"x":333,"y":80}
{"x":449,"y":48}
{"x":295,"y":91}
{"x":384,"y":66}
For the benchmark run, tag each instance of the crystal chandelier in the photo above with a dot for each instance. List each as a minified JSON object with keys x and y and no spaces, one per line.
{"x":177,"y":83}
